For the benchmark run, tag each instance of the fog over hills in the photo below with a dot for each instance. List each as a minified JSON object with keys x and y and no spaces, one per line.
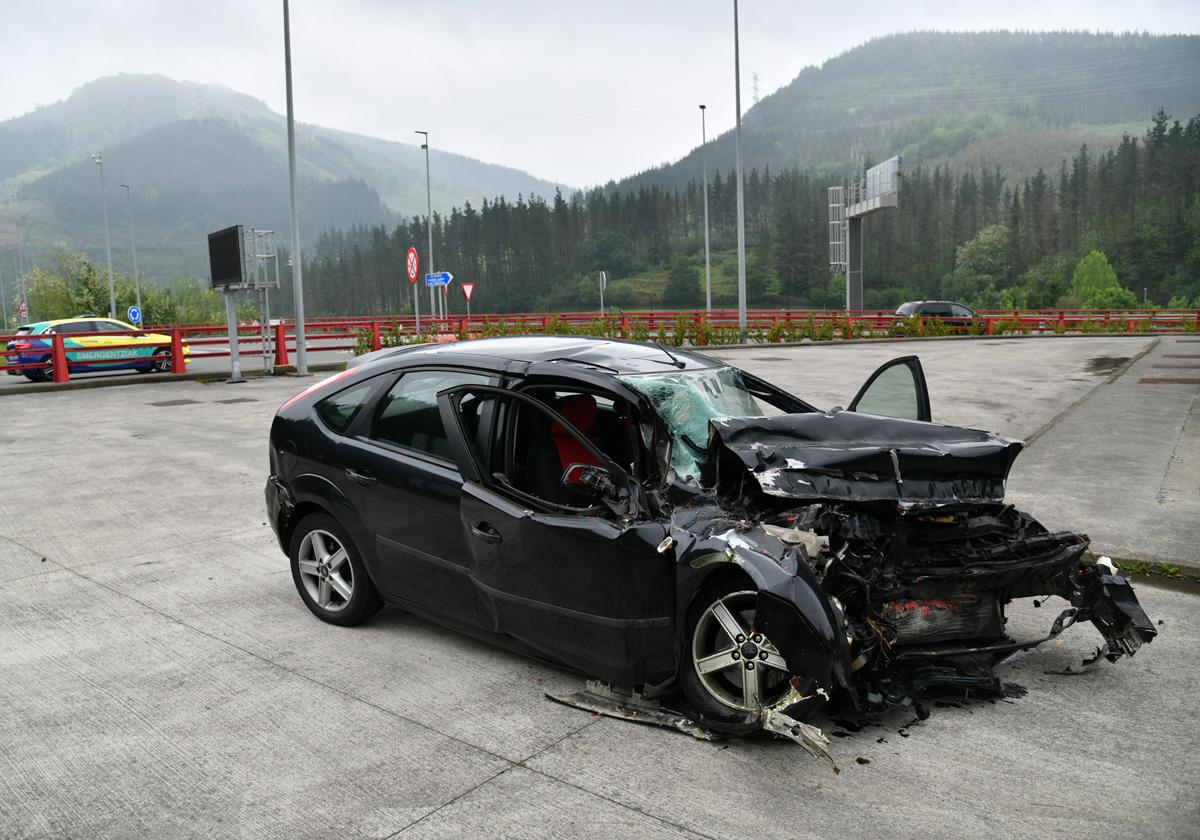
{"x":201,"y":157}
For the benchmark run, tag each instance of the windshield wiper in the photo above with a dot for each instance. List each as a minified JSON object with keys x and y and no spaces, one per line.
{"x":674,"y":360}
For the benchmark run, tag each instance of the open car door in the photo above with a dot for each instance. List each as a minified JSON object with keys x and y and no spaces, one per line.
{"x":563,"y":558}
{"x":896,"y":389}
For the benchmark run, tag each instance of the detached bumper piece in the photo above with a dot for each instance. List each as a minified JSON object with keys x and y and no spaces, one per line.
{"x":1107,"y":600}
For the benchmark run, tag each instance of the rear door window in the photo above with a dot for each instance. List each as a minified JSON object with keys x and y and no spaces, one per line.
{"x":75,"y":327}
{"x":408,"y":416}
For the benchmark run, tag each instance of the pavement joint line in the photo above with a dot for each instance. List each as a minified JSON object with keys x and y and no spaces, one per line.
{"x":493,"y":777}
{"x":627,"y":806}
{"x":260,"y":657}
{"x":1111,"y":378}
{"x":94,"y":563}
{"x":449,"y":802}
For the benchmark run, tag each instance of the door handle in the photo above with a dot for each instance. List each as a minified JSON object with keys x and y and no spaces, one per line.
{"x":362,"y":477}
{"x":486,"y":532}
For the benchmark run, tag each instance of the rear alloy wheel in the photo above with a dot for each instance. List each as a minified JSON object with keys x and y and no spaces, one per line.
{"x":328,"y":573}
{"x":731,"y":671}
{"x":162,"y":360}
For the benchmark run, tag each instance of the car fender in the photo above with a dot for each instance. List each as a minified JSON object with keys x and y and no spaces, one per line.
{"x":317,"y":490}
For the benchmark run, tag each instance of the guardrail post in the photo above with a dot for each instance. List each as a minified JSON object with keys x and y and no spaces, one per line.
{"x":624,"y":326}
{"x":177,"y":365}
{"x":281,"y":354}
{"x":376,"y":344}
{"x":58,"y":360}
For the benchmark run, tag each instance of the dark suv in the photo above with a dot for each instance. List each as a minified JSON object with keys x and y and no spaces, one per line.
{"x":664,"y":522}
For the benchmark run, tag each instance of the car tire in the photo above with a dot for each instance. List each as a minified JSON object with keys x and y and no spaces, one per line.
{"x":329,"y":572}
{"x":162,"y":361}
{"x":710,"y":695}
{"x":41,"y":374}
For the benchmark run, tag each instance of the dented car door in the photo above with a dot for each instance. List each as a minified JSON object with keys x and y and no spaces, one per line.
{"x":576,"y":577}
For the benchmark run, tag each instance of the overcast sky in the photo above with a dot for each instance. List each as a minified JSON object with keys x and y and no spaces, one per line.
{"x":573,"y":91}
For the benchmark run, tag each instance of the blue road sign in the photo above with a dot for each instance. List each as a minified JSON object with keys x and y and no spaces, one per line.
{"x":135,"y":315}
{"x":442,"y":278}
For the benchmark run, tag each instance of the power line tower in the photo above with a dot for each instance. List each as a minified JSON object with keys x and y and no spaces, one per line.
{"x":754,"y":87}
{"x":878,"y":188}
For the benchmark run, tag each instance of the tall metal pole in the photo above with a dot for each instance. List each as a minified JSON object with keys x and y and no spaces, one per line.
{"x":112,"y":289}
{"x":429,"y":220}
{"x":137,"y":284}
{"x":297,"y":276}
{"x":4,"y":302}
{"x":741,"y":202}
{"x":707,"y":256}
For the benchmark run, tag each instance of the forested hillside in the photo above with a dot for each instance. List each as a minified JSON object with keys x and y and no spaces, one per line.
{"x":1021,"y":99}
{"x":974,"y":234}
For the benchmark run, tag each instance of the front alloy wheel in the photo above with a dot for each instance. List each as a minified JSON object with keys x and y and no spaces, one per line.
{"x":735,"y":670}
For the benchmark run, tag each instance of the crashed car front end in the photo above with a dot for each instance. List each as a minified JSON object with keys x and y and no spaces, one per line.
{"x":901,"y":526}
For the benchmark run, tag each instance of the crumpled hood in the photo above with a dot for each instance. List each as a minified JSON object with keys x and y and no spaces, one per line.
{"x":848,"y":456}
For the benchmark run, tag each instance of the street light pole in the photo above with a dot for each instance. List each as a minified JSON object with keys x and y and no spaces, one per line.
{"x":741,"y":203}
{"x":137,"y":284}
{"x":112,"y":289}
{"x":429,"y":217}
{"x":297,"y":275}
{"x":707,"y":257}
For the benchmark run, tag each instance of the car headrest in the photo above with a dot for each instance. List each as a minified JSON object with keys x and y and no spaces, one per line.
{"x":579,"y":410}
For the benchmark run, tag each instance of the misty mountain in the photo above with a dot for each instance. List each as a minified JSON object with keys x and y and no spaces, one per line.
{"x":1020,"y":100}
{"x":201,"y":157}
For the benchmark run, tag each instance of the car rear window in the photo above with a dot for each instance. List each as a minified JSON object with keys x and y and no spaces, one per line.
{"x":338,"y":412}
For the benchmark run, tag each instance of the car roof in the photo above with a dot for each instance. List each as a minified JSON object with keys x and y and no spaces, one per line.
{"x":609,"y":355}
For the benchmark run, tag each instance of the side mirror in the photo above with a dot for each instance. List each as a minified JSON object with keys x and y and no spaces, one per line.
{"x":589,"y":478}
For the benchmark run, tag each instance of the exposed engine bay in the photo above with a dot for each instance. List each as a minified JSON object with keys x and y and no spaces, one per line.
{"x":924,"y":595}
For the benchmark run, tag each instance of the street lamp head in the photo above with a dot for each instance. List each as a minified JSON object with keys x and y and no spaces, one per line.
{"x":125,"y":187}
{"x":98,"y":158}
{"x":702,"y":107}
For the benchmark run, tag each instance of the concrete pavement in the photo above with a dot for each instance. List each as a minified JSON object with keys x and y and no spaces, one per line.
{"x":160,"y":677}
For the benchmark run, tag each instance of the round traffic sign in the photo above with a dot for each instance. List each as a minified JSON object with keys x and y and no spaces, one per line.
{"x":412,"y":264}
{"x":135,"y":315}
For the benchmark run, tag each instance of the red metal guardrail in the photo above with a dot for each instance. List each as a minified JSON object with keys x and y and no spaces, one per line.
{"x":766,"y":325}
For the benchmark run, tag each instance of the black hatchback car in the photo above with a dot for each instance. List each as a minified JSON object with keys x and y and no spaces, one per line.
{"x":666,"y":523}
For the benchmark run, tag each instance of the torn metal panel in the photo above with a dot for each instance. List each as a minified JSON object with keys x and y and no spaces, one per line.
{"x":603,"y":699}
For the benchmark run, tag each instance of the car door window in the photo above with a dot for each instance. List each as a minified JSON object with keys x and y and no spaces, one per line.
{"x":338,"y":411}
{"x":112,"y":326}
{"x":961,"y":311}
{"x":408,"y":415}
{"x":75,"y":327}
{"x":896,"y":389}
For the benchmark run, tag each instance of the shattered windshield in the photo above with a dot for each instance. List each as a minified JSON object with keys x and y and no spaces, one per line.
{"x":686,"y":401}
